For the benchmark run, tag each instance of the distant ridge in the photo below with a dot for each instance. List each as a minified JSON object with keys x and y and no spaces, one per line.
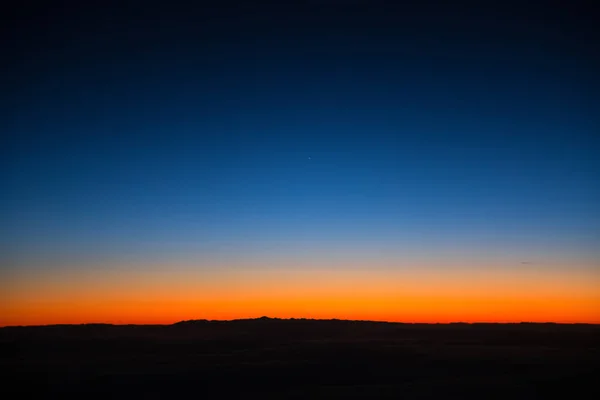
{"x":241,"y":333}
{"x":336,"y":320}
{"x":272,"y":320}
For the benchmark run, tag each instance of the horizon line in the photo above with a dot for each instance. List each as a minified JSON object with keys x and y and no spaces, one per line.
{"x":263,"y":318}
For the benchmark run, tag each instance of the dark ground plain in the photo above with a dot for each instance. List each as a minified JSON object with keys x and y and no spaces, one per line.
{"x":272,"y":358}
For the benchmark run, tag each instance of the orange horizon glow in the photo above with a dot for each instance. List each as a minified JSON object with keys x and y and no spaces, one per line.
{"x":168,"y":295}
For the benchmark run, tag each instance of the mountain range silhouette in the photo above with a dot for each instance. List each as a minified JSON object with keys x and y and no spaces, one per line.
{"x":301,"y":358}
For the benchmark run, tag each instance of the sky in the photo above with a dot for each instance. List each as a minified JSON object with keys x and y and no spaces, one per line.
{"x":322,"y":159}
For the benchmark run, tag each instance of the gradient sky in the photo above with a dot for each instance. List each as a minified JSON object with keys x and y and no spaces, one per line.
{"x":330,"y":160}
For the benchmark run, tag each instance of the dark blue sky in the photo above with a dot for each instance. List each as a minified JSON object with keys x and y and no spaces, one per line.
{"x":162,"y":131}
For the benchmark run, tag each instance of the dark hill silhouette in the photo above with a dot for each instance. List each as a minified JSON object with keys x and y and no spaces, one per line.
{"x":301,"y":358}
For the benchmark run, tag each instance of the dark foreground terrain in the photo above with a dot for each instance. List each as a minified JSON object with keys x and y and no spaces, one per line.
{"x":272,"y":358}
